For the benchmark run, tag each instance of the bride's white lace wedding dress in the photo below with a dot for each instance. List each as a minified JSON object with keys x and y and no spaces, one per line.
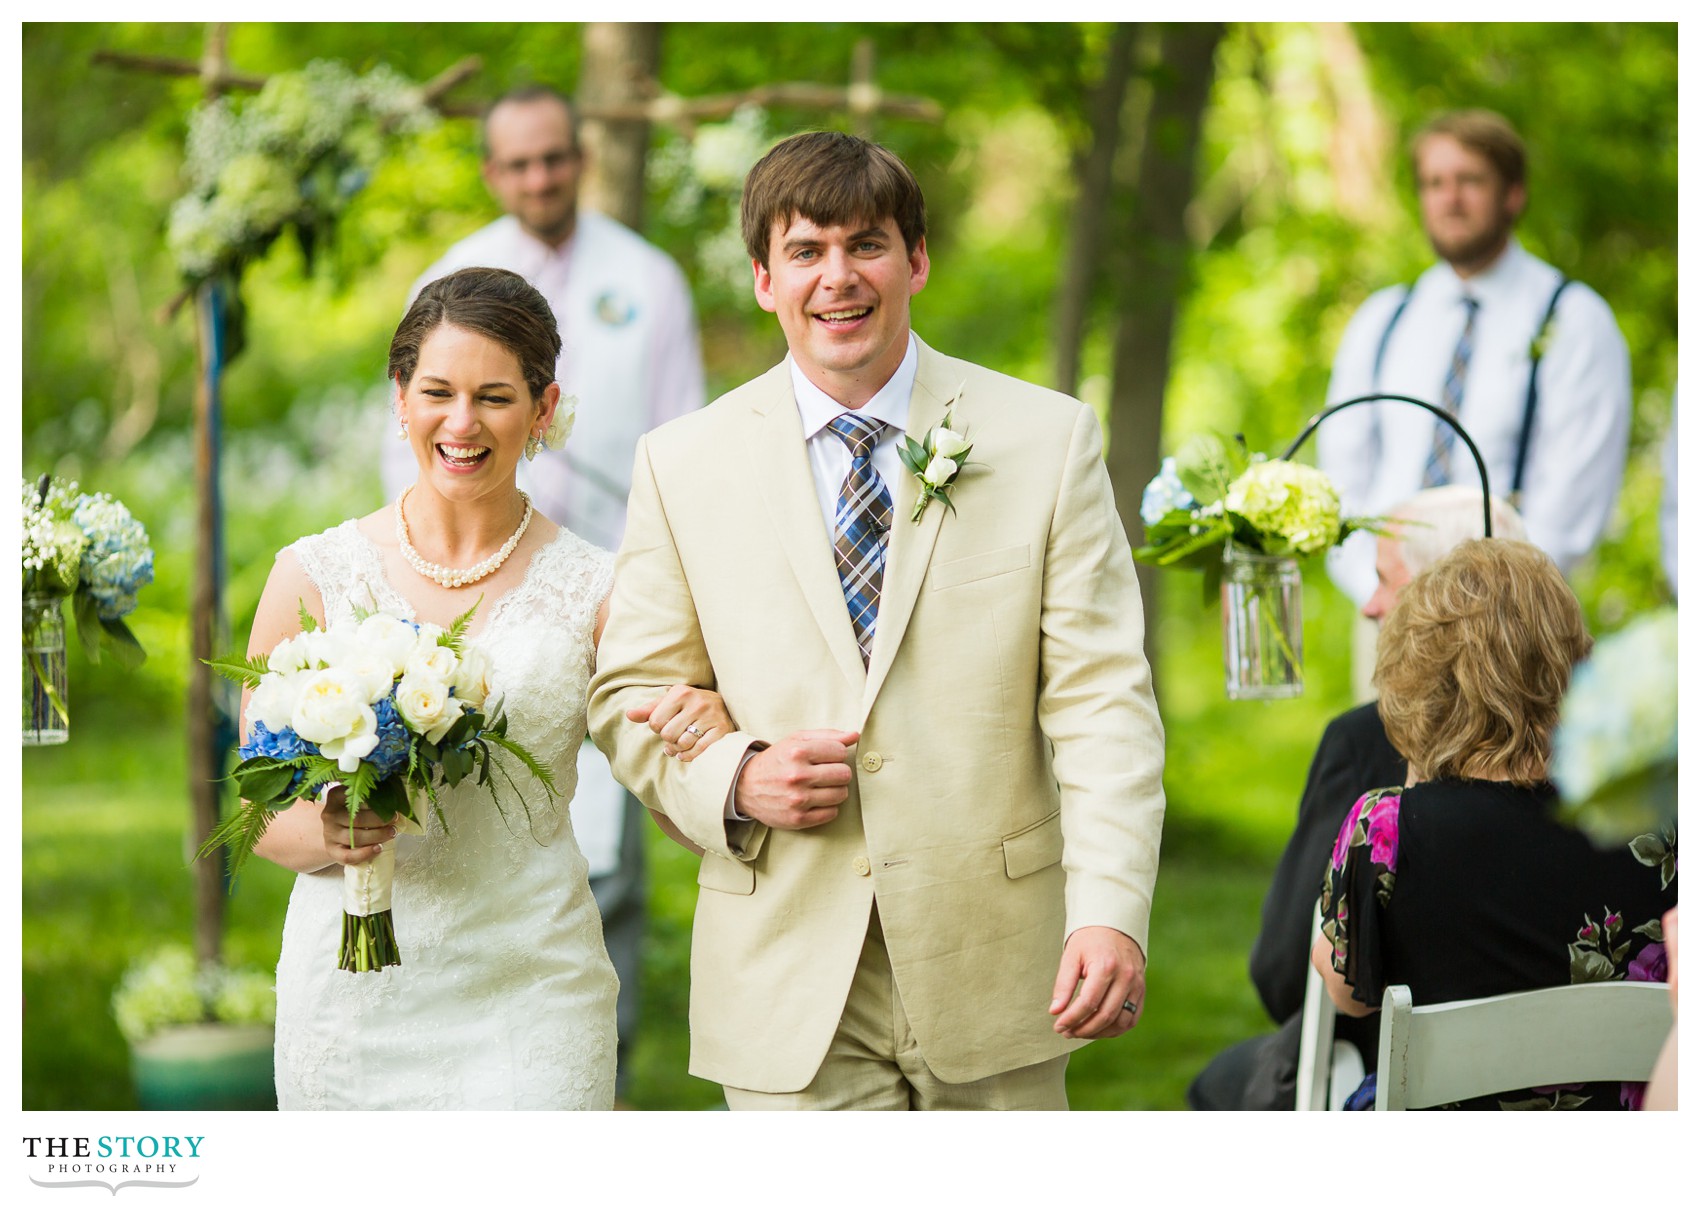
{"x":505,"y":996}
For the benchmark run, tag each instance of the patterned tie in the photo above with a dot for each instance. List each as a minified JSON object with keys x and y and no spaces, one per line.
{"x":1439,"y":467}
{"x":860,"y":526}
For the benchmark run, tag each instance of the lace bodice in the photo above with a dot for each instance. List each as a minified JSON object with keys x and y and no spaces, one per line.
{"x":504,"y":997}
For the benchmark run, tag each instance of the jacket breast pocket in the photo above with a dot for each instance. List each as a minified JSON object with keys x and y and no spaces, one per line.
{"x":726,"y":875}
{"x":1034,"y":848}
{"x":979,"y":567}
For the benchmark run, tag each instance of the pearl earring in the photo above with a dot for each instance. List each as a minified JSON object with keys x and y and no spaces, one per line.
{"x":401,"y":429}
{"x":532,"y":445}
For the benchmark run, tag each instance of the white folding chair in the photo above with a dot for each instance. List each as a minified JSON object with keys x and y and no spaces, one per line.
{"x":1603,"y":1031}
{"x":1329,"y":1069}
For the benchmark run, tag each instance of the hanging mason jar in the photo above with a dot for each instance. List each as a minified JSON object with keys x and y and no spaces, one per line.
{"x":1262,"y":625}
{"x":47,"y":720}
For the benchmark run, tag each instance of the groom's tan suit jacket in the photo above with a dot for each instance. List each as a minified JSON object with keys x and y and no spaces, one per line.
{"x":1008,"y":780}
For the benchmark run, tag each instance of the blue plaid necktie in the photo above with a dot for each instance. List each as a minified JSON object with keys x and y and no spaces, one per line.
{"x":860,"y":525}
{"x":1438,"y":470}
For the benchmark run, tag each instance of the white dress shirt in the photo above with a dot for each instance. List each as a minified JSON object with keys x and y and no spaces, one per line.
{"x":829,"y":457}
{"x":1375,"y":453}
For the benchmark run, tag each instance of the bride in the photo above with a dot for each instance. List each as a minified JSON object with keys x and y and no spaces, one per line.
{"x":505,"y":995}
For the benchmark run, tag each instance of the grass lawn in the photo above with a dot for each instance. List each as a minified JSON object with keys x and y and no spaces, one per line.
{"x":105,"y":879}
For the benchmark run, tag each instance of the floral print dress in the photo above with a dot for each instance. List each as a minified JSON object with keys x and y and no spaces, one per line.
{"x":1462,"y":888}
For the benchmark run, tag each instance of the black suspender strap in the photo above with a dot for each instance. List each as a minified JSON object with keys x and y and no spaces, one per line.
{"x":1386,"y":336}
{"x":1537,"y":348}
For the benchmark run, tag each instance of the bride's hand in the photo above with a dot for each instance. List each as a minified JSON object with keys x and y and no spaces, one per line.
{"x":687,"y":720}
{"x":369,"y":833}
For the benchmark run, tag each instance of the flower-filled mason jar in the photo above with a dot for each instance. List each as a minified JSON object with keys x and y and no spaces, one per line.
{"x":1262,"y":625}
{"x":47,"y":720}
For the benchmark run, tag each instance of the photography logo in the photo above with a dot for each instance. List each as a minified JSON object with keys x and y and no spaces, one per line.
{"x":113,"y":1162}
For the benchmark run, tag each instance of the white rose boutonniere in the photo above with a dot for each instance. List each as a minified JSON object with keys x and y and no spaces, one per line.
{"x":935,"y":462}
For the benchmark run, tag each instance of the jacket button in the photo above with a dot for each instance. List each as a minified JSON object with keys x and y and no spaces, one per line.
{"x":872,"y":762}
{"x":861,"y":866}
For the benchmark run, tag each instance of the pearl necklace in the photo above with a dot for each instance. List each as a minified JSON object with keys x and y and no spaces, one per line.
{"x":454,"y":578}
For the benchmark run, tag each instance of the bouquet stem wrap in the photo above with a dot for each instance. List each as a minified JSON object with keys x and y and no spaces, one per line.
{"x":368,"y":930}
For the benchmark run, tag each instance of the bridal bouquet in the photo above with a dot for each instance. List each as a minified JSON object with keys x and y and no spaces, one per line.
{"x":388,"y":708}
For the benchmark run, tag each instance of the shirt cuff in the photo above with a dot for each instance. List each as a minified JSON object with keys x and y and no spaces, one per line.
{"x":731,"y":812}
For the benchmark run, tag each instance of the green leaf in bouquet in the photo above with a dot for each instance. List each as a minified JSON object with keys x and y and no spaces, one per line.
{"x":238,"y":833}
{"x":456,"y":634}
{"x":238,"y":668}
{"x":537,"y":769}
{"x":266,"y":781}
{"x":389,"y":799}
{"x":456,"y":766}
{"x":360,"y":783}
{"x":308,"y":622}
{"x":460,"y":732}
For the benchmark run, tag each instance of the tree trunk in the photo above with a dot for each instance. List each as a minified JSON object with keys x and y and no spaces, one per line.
{"x":620,"y":61}
{"x":205,"y":759}
{"x":1091,"y":202}
{"x":1153,"y":265}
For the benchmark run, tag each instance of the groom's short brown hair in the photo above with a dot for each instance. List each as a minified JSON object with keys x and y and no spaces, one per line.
{"x":830,"y":179}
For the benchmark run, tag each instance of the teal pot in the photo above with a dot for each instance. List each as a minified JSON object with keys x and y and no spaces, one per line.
{"x":206,"y":1067}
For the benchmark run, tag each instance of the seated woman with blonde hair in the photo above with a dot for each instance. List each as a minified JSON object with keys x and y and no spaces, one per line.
{"x":1462,"y":884}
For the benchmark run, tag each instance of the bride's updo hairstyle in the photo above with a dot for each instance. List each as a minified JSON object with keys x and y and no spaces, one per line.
{"x":493,"y":303}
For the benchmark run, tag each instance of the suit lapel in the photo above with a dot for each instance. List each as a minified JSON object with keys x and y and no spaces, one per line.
{"x":779,"y":463}
{"x":911,"y":542}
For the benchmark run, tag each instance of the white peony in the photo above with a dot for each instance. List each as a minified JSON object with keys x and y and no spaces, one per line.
{"x":373,"y":670}
{"x":430,"y":635}
{"x":273,"y":701}
{"x":472,"y":680}
{"x":289,"y":656}
{"x":334,"y":714}
{"x":939,"y":472}
{"x":426,"y":705}
{"x":390,"y":638}
{"x":325,"y":649}
{"x":948,"y":442}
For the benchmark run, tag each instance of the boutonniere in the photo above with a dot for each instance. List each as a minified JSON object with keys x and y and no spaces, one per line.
{"x":1542,"y":342}
{"x":935,"y":462}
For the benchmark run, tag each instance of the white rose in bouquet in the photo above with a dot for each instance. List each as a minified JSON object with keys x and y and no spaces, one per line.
{"x":334,"y":714}
{"x":435,"y":662}
{"x":374,"y":670}
{"x":472,"y":681}
{"x":426,"y":705}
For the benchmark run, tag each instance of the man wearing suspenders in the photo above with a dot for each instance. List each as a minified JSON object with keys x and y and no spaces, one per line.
{"x":1531,"y":364}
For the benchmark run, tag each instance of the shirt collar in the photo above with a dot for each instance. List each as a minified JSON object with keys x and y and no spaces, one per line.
{"x":1497,"y":280}
{"x":889,"y":404}
{"x":539,"y":252}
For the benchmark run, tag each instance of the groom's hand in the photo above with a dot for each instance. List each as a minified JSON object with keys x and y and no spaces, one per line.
{"x":1102,"y":973}
{"x":798,"y":782}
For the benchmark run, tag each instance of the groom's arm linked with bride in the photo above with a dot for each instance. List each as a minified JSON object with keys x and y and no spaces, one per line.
{"x":950,"y":823}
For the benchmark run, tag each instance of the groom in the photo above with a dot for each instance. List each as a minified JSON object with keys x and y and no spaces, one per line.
{"x":929,"y":852}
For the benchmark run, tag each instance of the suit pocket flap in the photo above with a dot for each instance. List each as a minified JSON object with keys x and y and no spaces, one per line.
{"x":979,"y":567}
{"x":1034,"y":848}
{"x":725,"y":875}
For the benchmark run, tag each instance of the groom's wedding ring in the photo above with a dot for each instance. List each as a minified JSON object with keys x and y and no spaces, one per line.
{"x":693,"y":730}
{"x":1131,"y":1008}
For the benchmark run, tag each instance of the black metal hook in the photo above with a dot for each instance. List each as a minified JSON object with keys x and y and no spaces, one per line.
{"x":1481,"y":467}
